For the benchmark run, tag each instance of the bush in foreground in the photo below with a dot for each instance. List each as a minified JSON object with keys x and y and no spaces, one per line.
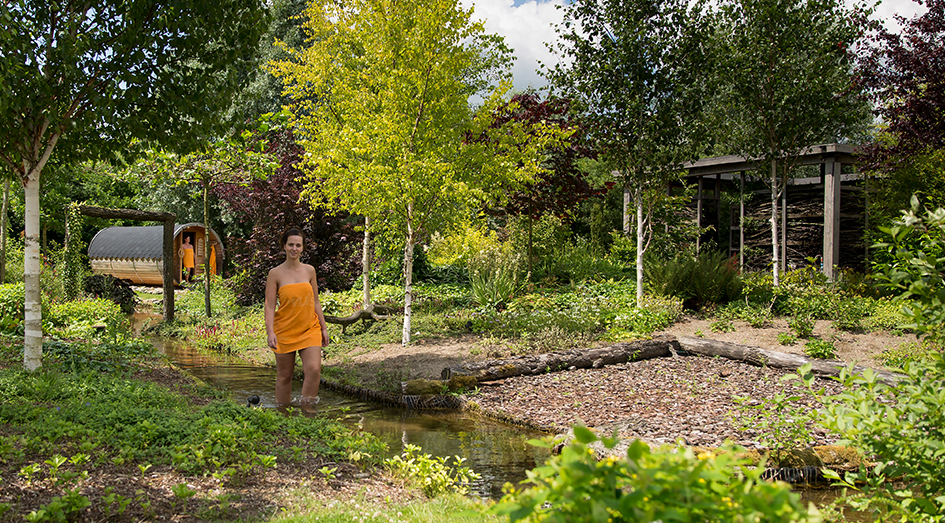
{"x":648,"y":485}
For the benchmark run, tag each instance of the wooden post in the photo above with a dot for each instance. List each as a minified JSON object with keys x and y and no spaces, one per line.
{"x":831,"y":217}
{"x":784,"y":203}
{"x":741,"y":222}
{"x":168,"y":267}
{"x":699,"y":216}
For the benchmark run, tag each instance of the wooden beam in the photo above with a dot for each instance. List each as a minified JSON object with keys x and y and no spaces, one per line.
{"x":125,"y":214}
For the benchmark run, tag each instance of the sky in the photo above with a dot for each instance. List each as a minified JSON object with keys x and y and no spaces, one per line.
{"x":528,"y":25}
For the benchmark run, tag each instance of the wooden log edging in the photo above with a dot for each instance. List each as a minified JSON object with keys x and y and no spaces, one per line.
{"x":502,"y":417}
{"x":781,"y":360}
{"x":595,"y":357}
{"x":414,"y":402}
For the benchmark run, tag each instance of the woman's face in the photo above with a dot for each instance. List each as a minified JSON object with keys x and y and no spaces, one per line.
{"x":293,"y":246}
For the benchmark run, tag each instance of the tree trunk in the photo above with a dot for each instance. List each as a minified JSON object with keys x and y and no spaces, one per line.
{"x":530,"y":250}
{"x":408,"y":276}
{"x":639,"y":204}
{"x":775,"y":247}
{"x":366,"y":264}
{"x":596,"y":357}
{"x":779,"y":360}
{"x":33,"y":337}
{"x":206,"y":248}
{"x":3,"y":230}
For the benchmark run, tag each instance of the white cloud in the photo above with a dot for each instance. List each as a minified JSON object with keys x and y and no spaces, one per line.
{"x":528,"y":25}
{"x":887,"y":10}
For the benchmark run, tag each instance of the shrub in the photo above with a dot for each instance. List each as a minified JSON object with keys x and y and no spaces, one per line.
{"x":432,"y":474}
{"x":820,"y":349}
{"x":14,"y":259}
{"x":111,"y":288}
{"x":648,"y":485}
{"x":654,"y":313}
{"x":902,"y":426}
{"x":12,"y":298}
{"x":912,"y":264}
{"x":780,"y":421}
{"x":461,"y":246}
{"x":884,"y":314}
{"x":708,"y":278}
{"x":913,"y":351}
{"x":802,"y":325}
{"x":785,"y":338}
{"x":78,"y":318}
{"x":494,"y":277}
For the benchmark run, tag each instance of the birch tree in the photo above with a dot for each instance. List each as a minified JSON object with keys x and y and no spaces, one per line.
{"x":381,"y":104}
{"x":786,"y":83}
{"x":636,"y":66}
{"x":87,"y":79}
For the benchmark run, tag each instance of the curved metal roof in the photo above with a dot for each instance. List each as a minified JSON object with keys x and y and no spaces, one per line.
{"x":144,"y":242}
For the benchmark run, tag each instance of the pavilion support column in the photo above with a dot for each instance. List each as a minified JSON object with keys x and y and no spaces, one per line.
{"x":699,"y":215}
{"x":741,"y":221}
{"x":831,"y":217}
{"x":784,"y":214}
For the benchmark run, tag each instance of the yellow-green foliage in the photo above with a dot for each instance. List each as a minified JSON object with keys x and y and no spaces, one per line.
{"x":458,"y":247}
{"x":93,"y":310}
{"x":648,"y":485}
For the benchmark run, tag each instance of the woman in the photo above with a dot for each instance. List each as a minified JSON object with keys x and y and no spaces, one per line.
{"x":187,"y":257}
{"x":299,"y":324}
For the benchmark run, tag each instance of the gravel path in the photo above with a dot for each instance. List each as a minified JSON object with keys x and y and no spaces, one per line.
{"x":657,"y":400}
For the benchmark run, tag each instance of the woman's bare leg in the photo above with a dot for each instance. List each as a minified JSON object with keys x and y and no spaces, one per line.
{"x":312,"y":366}
{"x":285,"y":368}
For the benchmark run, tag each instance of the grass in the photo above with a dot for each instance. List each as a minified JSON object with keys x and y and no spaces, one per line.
{"x":444,"y":509}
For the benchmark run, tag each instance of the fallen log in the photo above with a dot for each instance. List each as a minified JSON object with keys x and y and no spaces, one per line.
{"x":779,"y":360}
{"x":595,"y":357}
{"x":371,"y":313}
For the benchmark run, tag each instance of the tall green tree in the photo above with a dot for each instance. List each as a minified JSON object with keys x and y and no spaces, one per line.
{"x":382,"y":109}
{"x":85,"y":79}
{"x":786,"y":83}
{"x":223,"y":162}
{"x":636,"y":66}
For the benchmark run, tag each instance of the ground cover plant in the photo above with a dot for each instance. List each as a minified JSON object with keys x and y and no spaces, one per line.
{"x":96,"y":411}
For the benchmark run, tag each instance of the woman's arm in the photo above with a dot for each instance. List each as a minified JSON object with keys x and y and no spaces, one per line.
{"x":270,"y":310}
{"x":318,"y":309}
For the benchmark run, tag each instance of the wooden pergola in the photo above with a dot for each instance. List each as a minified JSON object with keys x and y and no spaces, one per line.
{"x":711,"y":173}
{"x":167,"y":219}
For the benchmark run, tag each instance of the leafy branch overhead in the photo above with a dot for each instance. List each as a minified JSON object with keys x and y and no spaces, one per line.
{"x":89,"y":80}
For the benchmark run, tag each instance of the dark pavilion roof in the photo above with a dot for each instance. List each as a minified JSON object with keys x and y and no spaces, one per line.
{"x":133,"y":242}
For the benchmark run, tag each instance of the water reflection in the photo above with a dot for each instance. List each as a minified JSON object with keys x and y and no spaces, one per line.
{"x":498,"y":452}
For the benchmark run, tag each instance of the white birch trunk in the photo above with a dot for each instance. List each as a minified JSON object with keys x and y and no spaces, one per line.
{"x":3,"y":230}
{"x":639,"y":204}
{"x":33,"y":338}
{"x":408,"y":275}
{"x":366,"y":264}
{"x":775,"y":244}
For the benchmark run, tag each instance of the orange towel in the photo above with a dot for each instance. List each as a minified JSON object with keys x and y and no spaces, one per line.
{"x":295,"y":324}
{"x":188,"y":258}
{"x":213,"y":260}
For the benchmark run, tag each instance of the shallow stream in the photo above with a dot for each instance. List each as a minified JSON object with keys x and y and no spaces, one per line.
{"x":496,"y":451}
